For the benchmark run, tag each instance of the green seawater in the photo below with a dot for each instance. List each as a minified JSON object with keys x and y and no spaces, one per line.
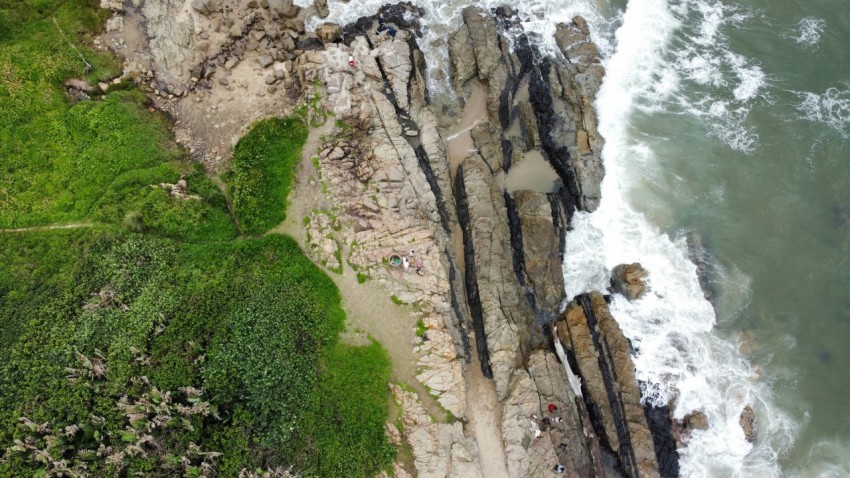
{"x":765,"y":180}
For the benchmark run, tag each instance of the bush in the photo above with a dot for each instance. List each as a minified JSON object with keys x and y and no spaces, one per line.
{"x":262,"y":172}
{"x":155,"y":296}
{"x":253,"y":323}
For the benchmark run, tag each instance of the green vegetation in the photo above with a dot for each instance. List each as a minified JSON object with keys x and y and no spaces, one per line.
{"x":396,"y":300}
{"x":152,"y":343}
{"x":421,"y":328}
{"x":362,"y":277}
{"x":263,"y":168}
{"x":251,"y":325}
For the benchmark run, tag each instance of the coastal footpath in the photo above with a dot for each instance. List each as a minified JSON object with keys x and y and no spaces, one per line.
{"x":457,"y":204}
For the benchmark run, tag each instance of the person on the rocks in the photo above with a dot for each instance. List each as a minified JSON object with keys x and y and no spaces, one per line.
{"x":381,"y":26}
{"x":557,"y":419}
{"x":405,"y":262}
{"x":419,"y":267}
{"x":559,"y":469}
{"x":552,"y":408}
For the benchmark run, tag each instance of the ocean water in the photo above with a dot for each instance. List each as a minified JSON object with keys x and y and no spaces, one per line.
{"x":731,"y":121}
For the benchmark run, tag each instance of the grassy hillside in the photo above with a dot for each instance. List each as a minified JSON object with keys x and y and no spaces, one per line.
{"x":151,"y":341}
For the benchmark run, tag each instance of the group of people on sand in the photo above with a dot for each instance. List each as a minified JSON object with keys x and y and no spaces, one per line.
{"x":540,"y":425}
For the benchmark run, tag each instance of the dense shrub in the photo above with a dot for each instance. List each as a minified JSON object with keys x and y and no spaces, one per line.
{"x":252,"y":323}
{"x":262,"y":172}
{"x":150,"y":343}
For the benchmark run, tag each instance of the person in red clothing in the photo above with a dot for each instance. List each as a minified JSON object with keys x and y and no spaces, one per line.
{"x":552,"y":408}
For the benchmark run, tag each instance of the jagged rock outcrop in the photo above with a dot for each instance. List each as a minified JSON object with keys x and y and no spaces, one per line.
{"x":439,"y":449}
{"x":603,"y":356}
{"x":629,"y":280}
{"x":486,"y":272}
{"x":541,"y":238}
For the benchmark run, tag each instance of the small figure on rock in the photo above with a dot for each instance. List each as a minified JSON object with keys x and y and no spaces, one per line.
{"x":552,"y":408}
{"x":557,"y":419}
{"x":559,"y":469}
{"x":405,"y":262}
{"x":384,"y":28}
{"x":351,"y":62}
{"x":419,"y":267}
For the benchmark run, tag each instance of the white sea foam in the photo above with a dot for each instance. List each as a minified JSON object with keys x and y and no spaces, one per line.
{"x":832,"y":108}
{"x":809,"y":31}
{"x":702,"y":77}
{"x":679,"y":356}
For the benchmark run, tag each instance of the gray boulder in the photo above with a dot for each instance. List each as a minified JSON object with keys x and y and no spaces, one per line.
{"x":629,"y":280}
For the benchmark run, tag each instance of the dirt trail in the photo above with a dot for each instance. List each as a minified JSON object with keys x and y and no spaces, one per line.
{"x":485,"y":419}
{"x":73,"y":225}
{"x":483,"y":408}
{"x":370,"y":311}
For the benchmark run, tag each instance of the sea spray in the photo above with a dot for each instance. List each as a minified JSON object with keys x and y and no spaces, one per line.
{"x":678,"y":356}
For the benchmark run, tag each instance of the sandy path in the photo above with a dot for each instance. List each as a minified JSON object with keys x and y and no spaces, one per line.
{"x":370,"y":311}
{"x":485,"y":419}
{"x":73,"y":225}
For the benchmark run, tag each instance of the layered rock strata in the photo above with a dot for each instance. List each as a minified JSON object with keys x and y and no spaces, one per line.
{"x":484,"y":243}
{"x":603,"y":356}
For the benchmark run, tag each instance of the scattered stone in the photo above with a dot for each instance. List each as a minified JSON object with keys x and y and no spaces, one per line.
{"x":115,"y":23}
{"x":265,"y":60}
{"x":336,"y":154}
{"x":329,"y":32}
{"x":78,"y":85}
{"x":322,"y":9}
{"x":696,"y":421}
{"x":114,"y":5}
{"x":629,"y":280}
{"x":287,"y":9}
{"x":748,"y":423}
{"x":206,"y":7}
{"x":231,"y":62}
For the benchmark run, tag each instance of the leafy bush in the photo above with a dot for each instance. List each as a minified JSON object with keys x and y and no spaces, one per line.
{"x":262,"y":172}
{"x":107,"y":331}
{"x":346,"y":429}
{"x":253,"y":323}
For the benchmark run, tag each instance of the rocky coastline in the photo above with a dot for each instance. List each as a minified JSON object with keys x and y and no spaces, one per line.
{"x":476,"y":195}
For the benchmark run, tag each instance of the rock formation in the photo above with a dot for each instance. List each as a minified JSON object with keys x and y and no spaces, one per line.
{"x":603,"y":356}
{"x":482,"y":233}
{"x":629,"y":280}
